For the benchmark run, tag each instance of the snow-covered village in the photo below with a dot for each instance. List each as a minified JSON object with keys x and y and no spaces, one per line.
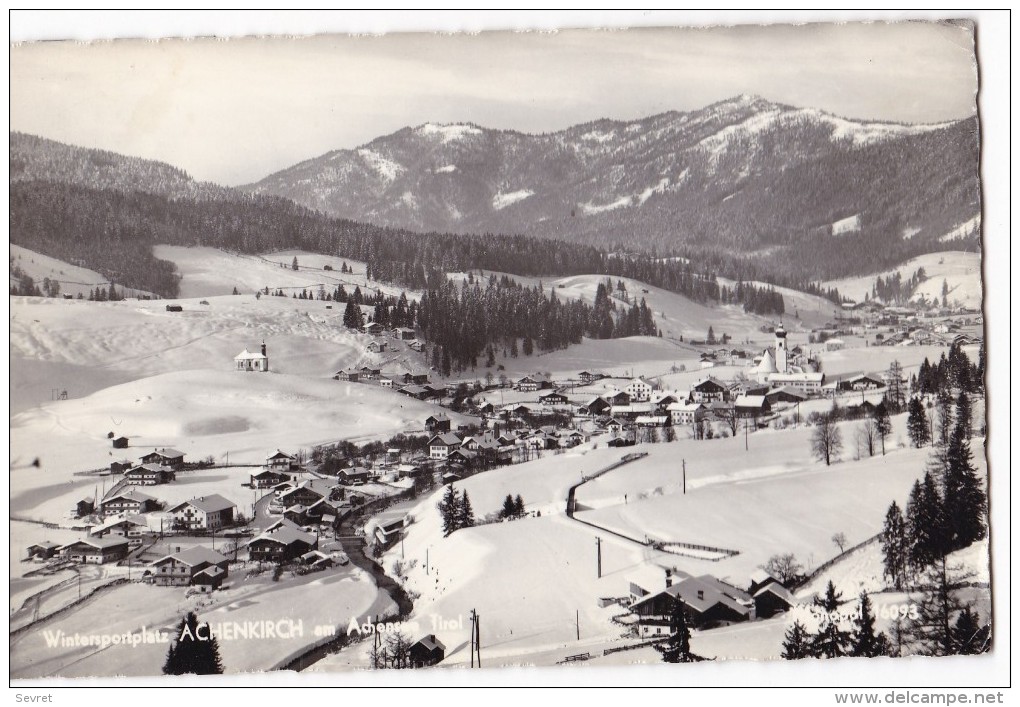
{"x":316,"y":420}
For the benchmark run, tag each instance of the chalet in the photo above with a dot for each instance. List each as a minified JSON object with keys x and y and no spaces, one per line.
{"x":639,"y":390}
{"x":632,"y":411}
{"x":531,"y":384}
{"x":414,"y":378}
{"x":348,"y":376}
{"x":268,"y":479}
{"x":121,"y":466}
{"x":437,"y":424}
{"x":248,"y":361}
{"x":388,"y":531}
{"x":461,"y":456}
{"x":96,"y":551}
{"x":376,"y":346}
{"x":418,"y":392}
{"x":484,"y":442}
{"x":403,"y":333}
{"x":864,"y":382}
{"x":42,"y":551}
{"x":386,"y":382}
{"x":686,"y":413}
{"x":373,"y":328}
{"x":486,"y":409}
{"x":426,"y":651}
{"x":621,"y":442}
{"x":571,"y":438}
{"x":709,"y":602}
{"x":120,"y":443}
{"x":354,"y":476}
{"x":554,"y":398}
{"x":590,"y":377}
{"x":279,"y":462}
{"x":440,"y":446}
{"x":369,"y":373}
{"x":84,"y":507}
{"x":662,"y":402}
{"x":785,"y":395}
{"x":210,"y":512}
{"x":619,"y":398}
{"x":416,"y":345}
{"x":772,"y":599}
{"x":149,"y":475}
{"x":131,"y":527}
{"x":709,"y":390}
{"x":297,"y":514}
{"x":129,"y":501}
{"x":180,"y":568}
{"x":614,"y":426}
{"x":165,"y":457}
{"x":302,"y":494}
{"x":594,"y":407}
{"x":760,"y":578}
{"x":282,"y":543}
{"x":209,"y":579}
{"x":752,"y":406}
{"x":720,"y":410}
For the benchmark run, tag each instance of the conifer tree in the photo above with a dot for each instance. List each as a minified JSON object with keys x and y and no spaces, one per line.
{"x":832,"y":640}
{"x":465,"y":516}
{"x":193,"y":650}
{"x":895,"y":548}
{"x":965,"y":500}
{"x":519,"y":506}
{"x":448,"y":510}
{"x":963,"y":414}
{"x":508,"y":510}
{"x":970,"y":636}
{"x":797,"y":643}
{"x":677,"y":648}
{"x":917,"y":424}
{"x":864,"y":641}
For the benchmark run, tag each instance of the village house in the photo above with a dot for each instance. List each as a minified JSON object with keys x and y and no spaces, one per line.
{"x":772,"y":599}
{"x":785,"y":395}
{"x":461,"y":456}
{"x":618,"y":398}
{"x":632,"y":411}
{"x":386,"y":382}
{"x":590,"y":377}
{"x":594,"y":407}
{"x":373,"y":328}
{"x":303,"y":495}
{"x":167,"y":457}
{"x":149,"y":475}
{"x":129,"y":501}
{"x":132,"y":527}
{"x":752,"y":406}
{"x":639,"y":390}
{"x":614,"y":426}
{"x":120,"y":443}
{"x":709,"y":603}
{"x":651,"y":420}
{"x":209,"y":579}
{"x":864,"y":381}
{"x":414,"y":378}
{"x":210,"y":512}
{"x":554,"y":398}
{"x":403,"y":333}
{"x":388,"y":531}
{"x":280,"y":462}
{"x":662,"y":401}
{"x":440,"y":446}
{"x":709,"y":390}
{"x":427,"y":651}
{"x":84,"y":507}
{"x":283,"y":543}
{"x":354,"y":476}
{"x":180,"y":568}
{"x":248,"y":361}
{"x":419,"y":392}
{"x":120,"y":467}
{"x":376,"y":346}
{"x":686,"y":413}
{"x":348,"y":376}
{"x":438,"y":423}
{"x":531,"y":384}
{"x":96,"y":551}
{"x":268,"y":479}
{"x":806,"y":382}
{"x":369,"y":373}
{"x":416,"y":345}
{"x":43,"y":551}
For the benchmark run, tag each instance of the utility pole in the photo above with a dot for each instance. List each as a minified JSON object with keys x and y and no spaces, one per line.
{"x":478,"y":639}
{"x":598,"y":550}
{"x":745,"y":434}
{"x":684,"y":462}
{"x":577,"y":622}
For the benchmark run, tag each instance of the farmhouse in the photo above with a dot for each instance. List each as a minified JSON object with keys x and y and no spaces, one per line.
{"x":863,"y":382}
{"x":709,"y":603}
{"x":248,"y":361}
{"x":403,"y":333}
{"x":377,"y":346}
{"x":303,"y":495}
{"x":387,"y":532}
{"x":120,"y":443}
{"x":121,"y":466}
{"x":283,"y":543}
{"x":84,"y":507}
{"x":268,"y":479}
{"x":209,"y":579}
{"x":618,"y":398}
{"x":662,"y":401}
{"x":165,"y":457}
{"x":590,"y":377}
{"x":354,"y":476}
{"x":440,"y":446}
{"x":785,"y":395}
{"x":437,"y":423}
{"x":414,"y":378}
{"x":752,"y":406}
{"x":279,"y":462}
{"x":369,"y":373}
{"x":461,"y":456}
{"x":131,"y":527}
{"x":804,"y":382}
{"x":180,"y":568}
{"x":204,"y":513}
{"x":427,"y":651}
{"x":419,"y":392}
{"x":651,"y":420}
{"x":686,"y":413}
{"x":96,"y":551}
{"x":772,"y":599}
{"x":149,"y":475}
{"x":709,"y":390}
{"x":639,"y":390}
{"x":595,"y":406}
{"x":348,"y":376}
{"x":130,"y":501}
{"x":373,"y":328}
{"x":42,"y":551}
{"x":555,"y":398}
{"x":531,"y":384}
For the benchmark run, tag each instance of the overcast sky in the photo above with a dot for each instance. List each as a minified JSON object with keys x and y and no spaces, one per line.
{"x":235,"y":111}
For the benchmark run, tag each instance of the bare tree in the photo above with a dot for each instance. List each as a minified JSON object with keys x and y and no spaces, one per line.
{"x":826,"y":440}
{"x":867,"y":436}
{"x":785,"y":568}
{"x":840,"y":540}
{"x":398,"y":650}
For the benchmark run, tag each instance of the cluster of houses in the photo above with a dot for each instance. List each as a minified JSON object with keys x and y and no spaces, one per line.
{"x":490,"y":445}
{"x":709,"y":602}
{"x":415,"y":385}
{"x":400,"y":333}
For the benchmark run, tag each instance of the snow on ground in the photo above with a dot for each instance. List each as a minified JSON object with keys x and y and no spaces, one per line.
{"x":210,"y":271}
{"x":73,"y":279}
{"x":294,"y":607}
{"x":961,"y":271}
{"x":501,"y":200}
{"x":386,"y":168}
{"x":809,"y":310}
{"x":448,"y":133}
{"x":850,"y":224}
{"x":970,"y":227}
{"x":590,"y":209}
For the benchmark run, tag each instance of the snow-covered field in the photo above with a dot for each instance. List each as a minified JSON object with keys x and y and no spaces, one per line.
{"x":73,"y":279}
{"x":960,"y":270}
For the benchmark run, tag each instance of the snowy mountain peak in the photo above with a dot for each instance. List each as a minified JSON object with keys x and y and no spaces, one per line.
{"x":449,"y":132}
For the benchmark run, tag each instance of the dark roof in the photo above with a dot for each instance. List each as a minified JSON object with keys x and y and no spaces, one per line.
{"x":430,"y":643}
{"x":210,"y":504}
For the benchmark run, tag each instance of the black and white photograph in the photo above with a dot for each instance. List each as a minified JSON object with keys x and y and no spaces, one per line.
{"x":427,"y":353}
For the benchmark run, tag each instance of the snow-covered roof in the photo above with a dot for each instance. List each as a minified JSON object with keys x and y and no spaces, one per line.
{"x":208,"y":504}
{"x":247,"y":355}
{"x":194,"y":556}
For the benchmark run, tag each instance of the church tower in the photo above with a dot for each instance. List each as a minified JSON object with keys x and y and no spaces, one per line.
{"x":781,"y":352}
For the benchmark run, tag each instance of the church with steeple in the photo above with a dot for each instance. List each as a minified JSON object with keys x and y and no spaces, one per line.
{"x":775,"y":367}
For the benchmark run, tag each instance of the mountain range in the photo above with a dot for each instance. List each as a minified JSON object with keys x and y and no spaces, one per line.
{"x":745,"y":174}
